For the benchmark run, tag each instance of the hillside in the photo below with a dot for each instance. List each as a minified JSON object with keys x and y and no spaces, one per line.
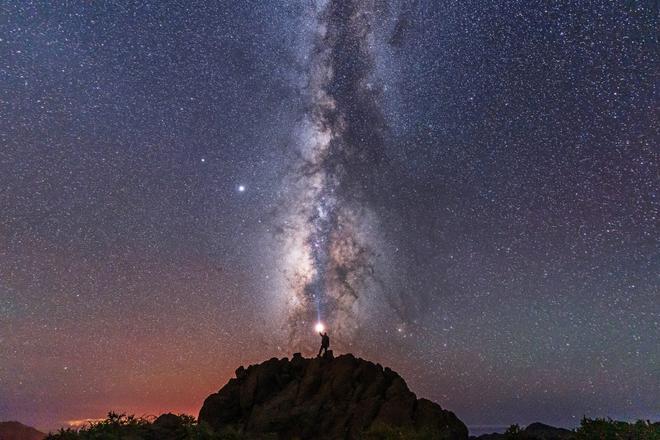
{"x":18,"y":431}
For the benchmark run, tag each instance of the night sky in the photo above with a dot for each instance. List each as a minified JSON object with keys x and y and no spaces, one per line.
{"x":465,"y":191}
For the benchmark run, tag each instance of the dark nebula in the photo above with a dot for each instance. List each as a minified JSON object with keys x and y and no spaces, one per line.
{"x":335,"y":178}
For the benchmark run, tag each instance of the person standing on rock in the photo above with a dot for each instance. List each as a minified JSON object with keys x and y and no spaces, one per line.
{"x":325,"y":343}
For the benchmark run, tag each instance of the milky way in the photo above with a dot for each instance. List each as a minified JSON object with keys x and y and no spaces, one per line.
{"x":465,"y":191}
{"x":329,"y":228}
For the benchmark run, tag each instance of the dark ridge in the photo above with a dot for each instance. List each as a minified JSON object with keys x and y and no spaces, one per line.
{"x":19,"y":431}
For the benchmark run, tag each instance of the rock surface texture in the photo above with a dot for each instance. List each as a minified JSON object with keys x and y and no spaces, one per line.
{"x":324,"y":398}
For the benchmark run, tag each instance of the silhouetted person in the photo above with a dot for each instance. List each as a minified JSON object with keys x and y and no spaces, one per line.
{"x":325,"y":343}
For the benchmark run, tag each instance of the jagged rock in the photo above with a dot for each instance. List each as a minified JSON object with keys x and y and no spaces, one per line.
{"x":323,"y":398}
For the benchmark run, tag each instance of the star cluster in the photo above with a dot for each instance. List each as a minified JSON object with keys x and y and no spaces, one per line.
{"x":465,"y":191}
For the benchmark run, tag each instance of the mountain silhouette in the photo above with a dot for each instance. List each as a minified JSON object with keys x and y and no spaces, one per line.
{"x":19,"y":431}
{"x":534,"y":431}
{"x":325,"y":398}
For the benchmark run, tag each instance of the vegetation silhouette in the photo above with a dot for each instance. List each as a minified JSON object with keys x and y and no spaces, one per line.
{"x":596,"y":429}
{"x":129,"y":427}
{"x":184,"y":427}
{"x":608,"y":429}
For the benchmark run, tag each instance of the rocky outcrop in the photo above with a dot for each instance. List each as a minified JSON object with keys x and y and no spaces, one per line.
{"x":324,"y":398}
{"x":19,"y":431}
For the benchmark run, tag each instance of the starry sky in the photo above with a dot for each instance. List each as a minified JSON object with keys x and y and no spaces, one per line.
{"x":466,"y":191}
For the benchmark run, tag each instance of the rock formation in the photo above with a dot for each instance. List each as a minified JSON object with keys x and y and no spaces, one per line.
{"x":324,"y":398}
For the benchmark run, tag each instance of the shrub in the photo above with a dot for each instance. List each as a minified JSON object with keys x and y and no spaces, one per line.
{"x":608,"y":429}
{"x":125,"y":427}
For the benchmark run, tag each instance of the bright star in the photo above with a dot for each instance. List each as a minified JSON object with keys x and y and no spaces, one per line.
{"x":241,"y":188}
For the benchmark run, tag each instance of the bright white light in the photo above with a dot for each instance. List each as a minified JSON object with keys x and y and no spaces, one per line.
{"x":241,"y":188}
{"x":319,"y":327}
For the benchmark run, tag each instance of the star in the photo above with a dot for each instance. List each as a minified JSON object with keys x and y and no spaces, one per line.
{"x":487,"y":217}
